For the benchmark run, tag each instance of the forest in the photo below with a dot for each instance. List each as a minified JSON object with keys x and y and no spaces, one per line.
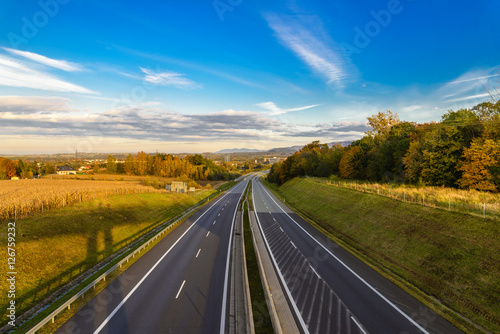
{"x":462,"y":150}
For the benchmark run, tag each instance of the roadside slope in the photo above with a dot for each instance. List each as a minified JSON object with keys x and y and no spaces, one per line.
{"x":449,"y":256}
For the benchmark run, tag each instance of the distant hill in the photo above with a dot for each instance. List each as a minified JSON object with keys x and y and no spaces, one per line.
{"x":238,"y":150}
{"x":293,"y":149}
{"x":277,"y":150}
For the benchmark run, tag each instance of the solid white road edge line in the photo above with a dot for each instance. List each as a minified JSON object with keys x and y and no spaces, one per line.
{"x":292,"y":301}
{"x":151,"y":270}
{"x":352,"y":271}
{"x":180,"y":289}
{"x":314,"y":271}
{"x":358,"y":324}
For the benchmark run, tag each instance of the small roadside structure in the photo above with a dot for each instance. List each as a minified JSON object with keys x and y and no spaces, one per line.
{"x":177,"y":187}
{"x":65,"y":170}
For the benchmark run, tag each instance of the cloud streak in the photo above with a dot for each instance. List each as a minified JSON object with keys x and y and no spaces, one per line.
{"x":314,"y":49}
{"x":59,"y":64}
{"x":168,"y":78}
{"x":16,"y":73}
{"x":275,"y":110}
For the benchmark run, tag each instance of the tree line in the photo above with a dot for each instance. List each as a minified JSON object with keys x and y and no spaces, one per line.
{"x":194,"y":167}
{"x":23,"y":169}
{"x":462,"y":150}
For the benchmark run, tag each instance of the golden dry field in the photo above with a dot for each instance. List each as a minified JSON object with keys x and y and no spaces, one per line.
{"x":27,"y":197}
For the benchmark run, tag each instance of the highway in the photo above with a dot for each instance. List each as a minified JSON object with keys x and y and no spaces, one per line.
{"x":329,"y":289}
{"x":179,"y":286}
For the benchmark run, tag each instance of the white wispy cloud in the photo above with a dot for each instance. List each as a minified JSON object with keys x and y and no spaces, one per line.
{"x":411,"y":108}
{"x":59,"y":64}
{"x":275,"y":110}
{"x":467,"y":77}
{"x":471,"y":97}
{"x":315,"y":49}
{"x":17,"y":73}
{"x":168,"y":78}
{"x":472,"y":83}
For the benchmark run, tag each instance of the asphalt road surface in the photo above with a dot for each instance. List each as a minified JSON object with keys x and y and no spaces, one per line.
{"x":178,"y":286}
{"x":330,"y":290}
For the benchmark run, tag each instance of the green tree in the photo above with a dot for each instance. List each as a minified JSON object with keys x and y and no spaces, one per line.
{"x":96,"y":168}
{"x":48,"y":168}
{"x":111,"y":164}
{"x":390,"y":153}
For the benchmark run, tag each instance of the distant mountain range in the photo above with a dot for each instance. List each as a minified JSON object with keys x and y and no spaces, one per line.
{"x":289,"y":150}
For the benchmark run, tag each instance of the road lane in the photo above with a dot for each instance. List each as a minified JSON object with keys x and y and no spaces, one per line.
{"x":331,"y":290}
{"x":178,"y":286}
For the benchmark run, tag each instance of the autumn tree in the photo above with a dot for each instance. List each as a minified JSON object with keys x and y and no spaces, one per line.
{"x":381,"y":123}
{"x":129,"y":164}
{"x":351,"y":164}
{"x":481,"y":166}
{"x":7,"y":169}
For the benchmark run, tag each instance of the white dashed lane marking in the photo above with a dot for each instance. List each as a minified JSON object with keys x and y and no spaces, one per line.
{"x":180,"y":289}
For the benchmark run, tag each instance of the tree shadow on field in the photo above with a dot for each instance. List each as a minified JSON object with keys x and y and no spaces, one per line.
{"x":96,"y":224}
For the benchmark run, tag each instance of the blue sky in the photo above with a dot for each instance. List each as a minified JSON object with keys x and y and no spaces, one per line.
{"x":198,"y":76}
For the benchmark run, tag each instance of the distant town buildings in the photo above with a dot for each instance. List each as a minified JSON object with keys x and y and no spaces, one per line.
{"x":84,"y":168}
{"x":65,"y":170}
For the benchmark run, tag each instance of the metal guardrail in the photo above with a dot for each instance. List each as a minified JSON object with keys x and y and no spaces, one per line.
{"x":67,"y":304}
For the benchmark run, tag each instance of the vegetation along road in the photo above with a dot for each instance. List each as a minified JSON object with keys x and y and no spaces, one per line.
{"x":330,"y":290}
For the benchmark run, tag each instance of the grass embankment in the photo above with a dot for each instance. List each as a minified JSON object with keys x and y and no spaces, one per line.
{"x":261,"y":317}
{"x":55,"y":247}
{"x":449,"y":256}
{"x":474,"y":202}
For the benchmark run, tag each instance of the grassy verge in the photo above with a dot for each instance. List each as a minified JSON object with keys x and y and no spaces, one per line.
{"x":474,"y":202}
{"x":261,"y":317}
{"x":450,"y":257}
{"x":55,"y":247}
